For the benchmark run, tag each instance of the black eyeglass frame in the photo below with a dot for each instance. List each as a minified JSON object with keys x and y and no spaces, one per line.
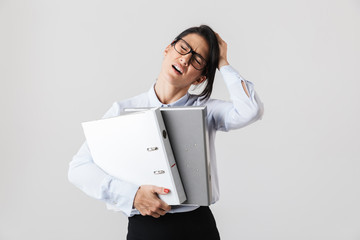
{"x":191,"y":51}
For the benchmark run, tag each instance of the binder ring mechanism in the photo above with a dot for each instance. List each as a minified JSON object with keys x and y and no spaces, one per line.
{"x":150,"y":149}
{"x":159,"y":172}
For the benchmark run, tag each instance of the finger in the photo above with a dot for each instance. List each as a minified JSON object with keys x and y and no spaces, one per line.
{"x":158,"y":209}
{"x":155,"y":209}
{"x":155,"y":215}
{"x":164,"y":206}
{"x":150,"y":213}
{"x":142,"y":212}
{"x":161,"y":190}
{"x":161,"y":204}
{"x":219,"y":38}
{"x":161,"y":212}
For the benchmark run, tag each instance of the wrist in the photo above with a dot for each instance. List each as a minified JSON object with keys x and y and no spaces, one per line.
{"x":136,"y":194}
{"x":223,"y":63}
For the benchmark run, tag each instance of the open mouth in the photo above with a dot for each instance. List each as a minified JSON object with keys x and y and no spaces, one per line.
{"x":177,"y":69}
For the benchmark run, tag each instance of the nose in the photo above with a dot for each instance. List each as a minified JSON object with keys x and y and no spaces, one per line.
{"x":185,"y":59}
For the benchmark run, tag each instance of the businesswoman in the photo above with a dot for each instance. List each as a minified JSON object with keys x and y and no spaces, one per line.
{"x":191,"y":59}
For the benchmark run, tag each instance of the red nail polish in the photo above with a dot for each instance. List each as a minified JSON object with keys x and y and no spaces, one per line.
{"x":166,"y":190}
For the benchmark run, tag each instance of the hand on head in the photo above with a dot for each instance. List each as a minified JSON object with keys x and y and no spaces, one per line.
{"x":148,"y":203}
{"x":223,"y":52}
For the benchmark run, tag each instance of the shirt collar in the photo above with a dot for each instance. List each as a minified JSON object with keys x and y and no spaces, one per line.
{"x":155,"y":102}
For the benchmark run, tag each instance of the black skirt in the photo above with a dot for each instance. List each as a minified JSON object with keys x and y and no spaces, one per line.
{"x":197,"y":224}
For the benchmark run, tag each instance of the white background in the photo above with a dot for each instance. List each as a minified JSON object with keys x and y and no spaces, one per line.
{"x":294,"y":175}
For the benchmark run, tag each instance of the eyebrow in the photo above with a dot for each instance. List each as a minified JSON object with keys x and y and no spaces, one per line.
{"x":193,"y":49}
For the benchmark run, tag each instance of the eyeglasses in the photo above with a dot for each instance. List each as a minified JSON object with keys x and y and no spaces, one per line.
{"x":183,"y":48}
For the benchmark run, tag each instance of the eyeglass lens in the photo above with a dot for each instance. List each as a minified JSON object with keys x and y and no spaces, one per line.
{"x":196,"y":60}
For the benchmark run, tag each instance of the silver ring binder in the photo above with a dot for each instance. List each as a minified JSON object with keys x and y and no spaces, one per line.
{"x":150,"y":149}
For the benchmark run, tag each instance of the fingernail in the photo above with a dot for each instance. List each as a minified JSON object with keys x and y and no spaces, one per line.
{"x":166,"y":190}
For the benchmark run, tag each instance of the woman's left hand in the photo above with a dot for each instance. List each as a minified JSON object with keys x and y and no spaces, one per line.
{"x":223,"y":52}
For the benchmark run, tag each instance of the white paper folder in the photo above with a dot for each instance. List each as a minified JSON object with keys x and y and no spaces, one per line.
{"x":187,"y":130}
{"x":135,"y":147}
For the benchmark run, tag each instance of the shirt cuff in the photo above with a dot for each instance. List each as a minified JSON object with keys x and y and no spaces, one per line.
{"x":121,"y":196}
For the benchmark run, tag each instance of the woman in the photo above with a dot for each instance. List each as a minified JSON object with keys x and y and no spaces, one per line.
{"x":191,"y":59}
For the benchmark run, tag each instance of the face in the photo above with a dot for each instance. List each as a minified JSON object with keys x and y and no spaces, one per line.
{"x":177,"y":69}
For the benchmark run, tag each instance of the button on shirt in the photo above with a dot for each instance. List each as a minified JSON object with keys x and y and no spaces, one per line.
{"x":221,"y":115}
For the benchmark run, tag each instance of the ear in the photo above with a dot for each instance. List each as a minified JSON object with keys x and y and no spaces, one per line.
{"x":200,"y":80}
{"x":167,"y":49}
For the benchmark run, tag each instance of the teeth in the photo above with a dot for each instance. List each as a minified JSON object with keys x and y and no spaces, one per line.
{"x":176,"y":67}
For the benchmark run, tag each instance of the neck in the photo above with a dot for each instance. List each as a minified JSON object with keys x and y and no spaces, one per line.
{"x":168,"y":93}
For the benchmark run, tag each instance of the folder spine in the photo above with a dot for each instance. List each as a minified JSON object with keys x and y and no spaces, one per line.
{"x":207,"y":152}
{"x":172,"y":167}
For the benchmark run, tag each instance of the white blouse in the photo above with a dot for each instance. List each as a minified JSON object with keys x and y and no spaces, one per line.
{"x":221,"y":115}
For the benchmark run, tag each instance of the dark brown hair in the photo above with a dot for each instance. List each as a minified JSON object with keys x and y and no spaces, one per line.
{"x":213,"y":58}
